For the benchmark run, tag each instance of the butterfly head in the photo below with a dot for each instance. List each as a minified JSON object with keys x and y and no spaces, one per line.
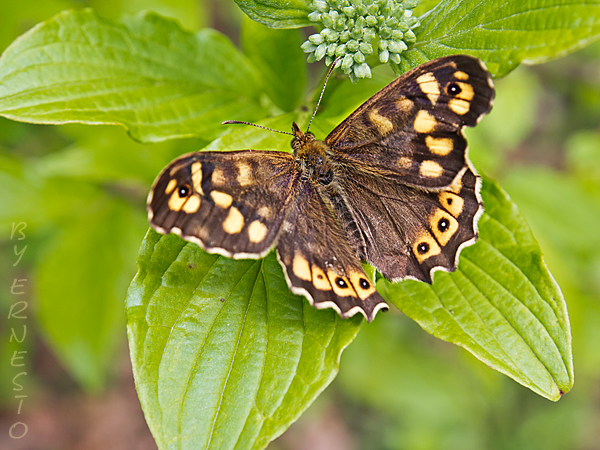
{"x":300,"y":138}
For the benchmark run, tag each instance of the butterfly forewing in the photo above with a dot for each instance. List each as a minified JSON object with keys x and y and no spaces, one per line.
{"x":231,"y":203}
{"x":411,"y":130}
{"x":319,"y":262}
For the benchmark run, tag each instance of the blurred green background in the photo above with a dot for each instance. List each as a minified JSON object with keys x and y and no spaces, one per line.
{"x":81,"y":190}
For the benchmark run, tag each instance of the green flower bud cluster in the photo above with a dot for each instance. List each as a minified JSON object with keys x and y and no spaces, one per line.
{"x":355,"y":30}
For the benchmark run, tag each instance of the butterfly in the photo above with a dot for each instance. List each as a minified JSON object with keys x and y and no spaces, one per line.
{"x":390,"y":185}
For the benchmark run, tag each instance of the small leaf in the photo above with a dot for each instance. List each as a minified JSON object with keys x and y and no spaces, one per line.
{"x":277,"y":54}
{"x":278,"y":13}
{"x":501,"y":304}
{"x":144,"y":73}
{"x":504,"y":34}
{"x":224,"y":356}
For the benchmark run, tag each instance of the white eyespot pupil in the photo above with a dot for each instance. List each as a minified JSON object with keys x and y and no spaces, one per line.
{"x":183,"y":191}
{"x":341,"y":283}
{"x":454,"y":89}
{"x":443,"y":225}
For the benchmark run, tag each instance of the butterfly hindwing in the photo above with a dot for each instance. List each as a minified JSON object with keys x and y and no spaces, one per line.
{"x":319,"y":263}
{"x":407,"y":232}
{"x":411,"y":130}
{"x":232,"y":203}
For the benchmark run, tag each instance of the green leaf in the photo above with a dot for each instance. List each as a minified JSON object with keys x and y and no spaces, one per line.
{"x":504,"y":34}
{"x":277,"y":54}
{"x":224,"y":356}
{"x":80,"y":282}
{"x":107,"y":157}
{"x":145,"y":73}
{"x":501,"y":304}
{"x":278,"y":13}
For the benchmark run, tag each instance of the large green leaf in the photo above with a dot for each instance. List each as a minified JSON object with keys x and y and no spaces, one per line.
{"x":504,"y":34}
{"x":278,"y":13}
{"x":144,"y":73}
{"x":224,"y":356}
{"x":501,"y":304}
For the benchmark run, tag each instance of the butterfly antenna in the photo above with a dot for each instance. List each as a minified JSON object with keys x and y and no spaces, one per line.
{"x":227,"y":122}
{"x":323,"y":90}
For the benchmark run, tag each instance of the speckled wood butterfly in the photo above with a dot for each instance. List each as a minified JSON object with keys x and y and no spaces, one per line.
{"x":390,"y":185}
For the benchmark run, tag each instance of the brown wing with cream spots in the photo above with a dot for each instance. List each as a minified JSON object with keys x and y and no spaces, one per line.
{"x":319,"y":263}
{"x":411,"y":130}
{"x":231,"y":203}
{"x":407,"y":232}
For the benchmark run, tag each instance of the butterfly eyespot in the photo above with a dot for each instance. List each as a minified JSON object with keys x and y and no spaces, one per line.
{"x":423,"y":248}
{"x":364,"y":284}
{"x":341,"y":283}
{"x":454,"y":89}
{"x":443,"y":225}
{"x":183,"y":191}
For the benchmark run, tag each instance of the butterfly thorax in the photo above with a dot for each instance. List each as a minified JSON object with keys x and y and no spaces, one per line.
{"x":313,"y":157}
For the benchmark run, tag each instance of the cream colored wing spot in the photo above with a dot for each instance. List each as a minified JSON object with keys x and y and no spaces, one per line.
{"x":244,"y":177}
{"x":170,"y":186}
{"x":234,"y":222}
{"x":221,"y":199}
{"x":439,"y":146}
{"x":466,"y":92}
{"x":461,"y":103}
{"x":404,"y":162}
{"x":424,"y":122}
{"x":264,"y":212}
{"x":430,"y":169}
{"x":429,"y":86}
{"x":300,"y":267}
{"x":383,"y":124}
{"x":459,"y":106}
{"x":361,"y":284}
{"x":443,"y":225}
{"x":192,"y":205}
{"x":197,"y":177}
{"x":319,"y":280}
{"x":257,"y":232}
{"x":218,"y":177}
{"x":404,"y":104}
{"x":340,"y":284}
{"x":460,"y":75}
{"x":451,"y":202}
{"x":457,"y":183}
{"x":425,"y":247}
{"x":176,"y":202}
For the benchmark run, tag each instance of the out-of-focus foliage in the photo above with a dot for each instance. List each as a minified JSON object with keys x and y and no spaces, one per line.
{"x":82,"y":190}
